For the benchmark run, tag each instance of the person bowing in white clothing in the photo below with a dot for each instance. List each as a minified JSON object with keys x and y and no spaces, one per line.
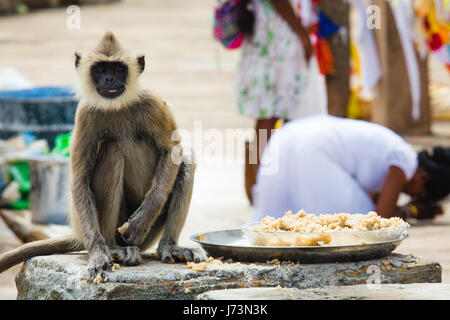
{"x":330,"y":165}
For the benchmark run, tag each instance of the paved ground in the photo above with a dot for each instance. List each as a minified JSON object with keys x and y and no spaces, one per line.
{"x":194,"y":74}
{"x":416,"y":291}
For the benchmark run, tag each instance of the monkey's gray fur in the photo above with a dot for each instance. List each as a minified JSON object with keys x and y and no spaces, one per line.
{"x":124,"y":167}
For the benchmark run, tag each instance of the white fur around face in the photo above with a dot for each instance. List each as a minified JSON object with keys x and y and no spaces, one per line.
{"x":87,"y":93}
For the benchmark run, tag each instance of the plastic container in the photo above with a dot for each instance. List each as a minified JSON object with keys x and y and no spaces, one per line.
{"x":49,"y":176}
{"x":45,"y":111}
{"x":62,"y":145}
{"x":20,"y":173}
{"x":336,"y":238}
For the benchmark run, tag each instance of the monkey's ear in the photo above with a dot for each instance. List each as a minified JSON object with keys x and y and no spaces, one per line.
{"x":77,"y":59}
{"x":141,"y":63}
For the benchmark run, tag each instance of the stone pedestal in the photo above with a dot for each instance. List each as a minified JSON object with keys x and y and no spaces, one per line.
{"x":392,"y":106}
{"x":64,"y":277}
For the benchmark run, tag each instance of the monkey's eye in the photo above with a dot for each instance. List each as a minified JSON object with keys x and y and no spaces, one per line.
{"x":119,"y":69}
{"x":99,"y":69}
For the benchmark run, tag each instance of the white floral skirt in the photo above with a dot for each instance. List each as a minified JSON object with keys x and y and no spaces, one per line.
{"x":272,"y":78}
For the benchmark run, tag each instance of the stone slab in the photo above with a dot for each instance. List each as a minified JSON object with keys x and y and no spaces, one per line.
{"x":416,"y":291}
{"x":65,"y":277}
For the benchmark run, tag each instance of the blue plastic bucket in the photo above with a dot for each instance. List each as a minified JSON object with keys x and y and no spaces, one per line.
{"x":45,"y":111}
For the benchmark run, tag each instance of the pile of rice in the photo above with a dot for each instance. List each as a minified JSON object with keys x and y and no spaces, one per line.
{"x":303,"y":222}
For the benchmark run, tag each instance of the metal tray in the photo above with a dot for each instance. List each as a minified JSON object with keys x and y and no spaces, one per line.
{"x":234,"y":244}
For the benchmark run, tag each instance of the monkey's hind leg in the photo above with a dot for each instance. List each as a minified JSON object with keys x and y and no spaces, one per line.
{"x":112,"y":211}
{"x":177,"y":210}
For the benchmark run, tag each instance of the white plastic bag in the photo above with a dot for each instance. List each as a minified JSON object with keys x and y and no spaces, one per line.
{"x":10,"y":79}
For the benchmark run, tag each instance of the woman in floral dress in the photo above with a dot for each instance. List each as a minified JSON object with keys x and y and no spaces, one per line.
{"x":272,"y":74}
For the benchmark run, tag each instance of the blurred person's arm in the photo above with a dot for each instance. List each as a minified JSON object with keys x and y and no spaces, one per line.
{"x":285,"y":10}
{"x":386,"y":206}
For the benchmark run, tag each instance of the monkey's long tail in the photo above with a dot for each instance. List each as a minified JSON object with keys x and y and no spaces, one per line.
{"x":39,"y":248}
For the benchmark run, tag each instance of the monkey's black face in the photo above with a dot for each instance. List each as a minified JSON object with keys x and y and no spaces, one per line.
{"x":109,"y":78}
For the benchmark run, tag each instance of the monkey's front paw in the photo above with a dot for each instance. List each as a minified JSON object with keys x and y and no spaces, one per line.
{"x":170,"y":254}
{"x":100,"y":262}
{"x":127,"y":256}
{"x":135,"y":233}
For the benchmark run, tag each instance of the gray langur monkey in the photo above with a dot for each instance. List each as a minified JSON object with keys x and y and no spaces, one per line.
{"x":128,"y":173}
